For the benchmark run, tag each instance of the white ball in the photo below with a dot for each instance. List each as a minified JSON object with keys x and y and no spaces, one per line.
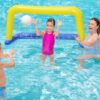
{"x":26,"y":20}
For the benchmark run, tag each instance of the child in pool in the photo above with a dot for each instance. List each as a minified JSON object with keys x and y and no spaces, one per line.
{"x":2,"y":66}
{"x":48,"y":39}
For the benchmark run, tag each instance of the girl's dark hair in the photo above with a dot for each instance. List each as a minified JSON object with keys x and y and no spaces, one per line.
{"x":51,"y":20}
{"x":98,"y":24}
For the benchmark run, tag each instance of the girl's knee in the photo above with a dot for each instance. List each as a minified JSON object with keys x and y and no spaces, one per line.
{"x":52,"y":56}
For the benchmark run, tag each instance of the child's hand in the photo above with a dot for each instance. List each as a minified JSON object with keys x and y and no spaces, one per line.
{"x":12,"y":52}
{"x":10,"y":56}
{"x":35,"y":22}
{"x":60,"y":23}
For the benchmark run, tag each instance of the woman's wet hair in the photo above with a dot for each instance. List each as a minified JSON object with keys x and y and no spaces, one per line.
{"x":51,"y":20}
{"x":98,"y":24}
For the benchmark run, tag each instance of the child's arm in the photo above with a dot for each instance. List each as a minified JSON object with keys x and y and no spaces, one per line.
{"x":2,"y":55}
{"x":38,"y":32}
{"x":58,"y":28}
{"x":10,"y":64}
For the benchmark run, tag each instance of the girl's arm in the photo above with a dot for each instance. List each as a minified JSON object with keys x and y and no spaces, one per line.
{"x":58,"y":28}
{"x":38,"y":32}
{"x":2,"y":55}
{"x":10,"y":64}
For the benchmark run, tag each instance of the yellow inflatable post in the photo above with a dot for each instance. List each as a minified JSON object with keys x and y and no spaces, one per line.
{"x":55,"y":10}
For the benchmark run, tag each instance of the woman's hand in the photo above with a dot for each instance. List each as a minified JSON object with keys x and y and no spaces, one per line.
{"x":78,"y":39}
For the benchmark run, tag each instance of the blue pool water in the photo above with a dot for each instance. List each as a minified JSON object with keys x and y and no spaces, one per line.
{"x":27,"y":81}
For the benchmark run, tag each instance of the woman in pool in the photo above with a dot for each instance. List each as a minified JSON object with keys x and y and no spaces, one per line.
{"x":2,"y":66}
{"x":90,"y":43}
{"x":48,"y":39}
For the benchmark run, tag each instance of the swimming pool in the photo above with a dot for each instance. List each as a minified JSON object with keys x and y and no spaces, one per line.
{"x":27,"y":81}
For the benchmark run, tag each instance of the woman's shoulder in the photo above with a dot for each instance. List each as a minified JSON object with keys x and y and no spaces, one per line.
{"x":95,"y":36}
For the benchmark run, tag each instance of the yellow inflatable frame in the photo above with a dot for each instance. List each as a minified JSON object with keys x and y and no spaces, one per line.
{"x":55,"y":10}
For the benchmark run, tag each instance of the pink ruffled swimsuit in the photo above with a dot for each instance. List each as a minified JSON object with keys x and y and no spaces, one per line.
{"x":48,"y":43}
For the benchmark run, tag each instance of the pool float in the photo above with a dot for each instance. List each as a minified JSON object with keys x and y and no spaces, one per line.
{"x":49,"y":10}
